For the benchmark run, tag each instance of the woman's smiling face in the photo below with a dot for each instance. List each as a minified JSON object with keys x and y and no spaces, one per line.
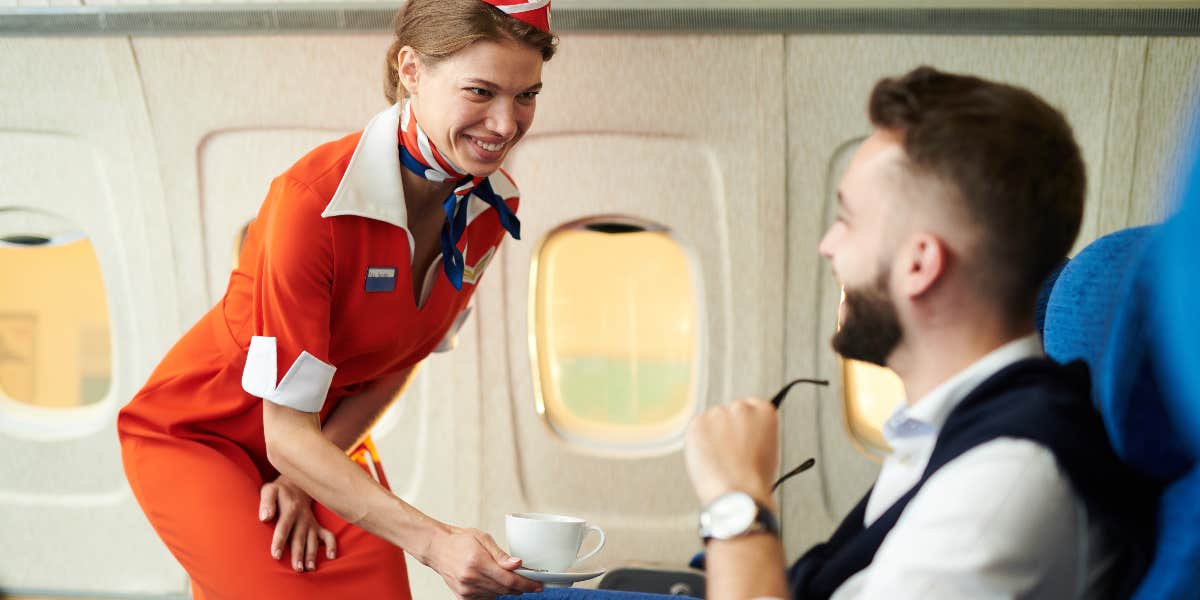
{"x":477,"y":103}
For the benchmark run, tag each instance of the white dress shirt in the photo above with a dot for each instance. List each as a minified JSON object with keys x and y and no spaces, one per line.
{"x":999,"y":521}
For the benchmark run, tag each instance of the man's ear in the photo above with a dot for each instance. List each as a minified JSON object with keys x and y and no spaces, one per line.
{"x":408,"y":65}
{"x":923,"y":259}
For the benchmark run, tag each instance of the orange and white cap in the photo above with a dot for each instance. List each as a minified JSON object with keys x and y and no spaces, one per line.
{"x":534,"y":12}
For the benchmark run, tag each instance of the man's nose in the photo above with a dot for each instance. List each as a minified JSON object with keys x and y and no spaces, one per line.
{"x":825,"y":247}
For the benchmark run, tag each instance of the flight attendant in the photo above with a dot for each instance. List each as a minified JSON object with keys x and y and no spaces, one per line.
{"x":360,"y":263}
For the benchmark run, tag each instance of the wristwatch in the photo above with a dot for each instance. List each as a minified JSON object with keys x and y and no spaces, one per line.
{"x":734,"y":514}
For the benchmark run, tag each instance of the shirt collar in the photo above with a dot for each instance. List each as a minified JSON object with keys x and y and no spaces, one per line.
{"x":927,"y":415}
{"x":372,"y":186}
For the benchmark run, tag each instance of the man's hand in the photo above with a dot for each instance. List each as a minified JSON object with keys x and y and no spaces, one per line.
{"x":474,"y":566}
{"x":296,"y":525}
{"x":734,"y":447}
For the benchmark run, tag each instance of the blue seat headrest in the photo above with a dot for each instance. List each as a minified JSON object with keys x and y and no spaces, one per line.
{"x":1176,"y":294}
{"x":1097,"y":312}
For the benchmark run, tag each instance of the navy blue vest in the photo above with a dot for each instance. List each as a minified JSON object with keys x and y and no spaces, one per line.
{"x":1037,"y":400}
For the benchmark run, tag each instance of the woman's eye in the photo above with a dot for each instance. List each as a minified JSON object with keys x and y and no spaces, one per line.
{"x":474,"y":91}
{"x":527,"y":97}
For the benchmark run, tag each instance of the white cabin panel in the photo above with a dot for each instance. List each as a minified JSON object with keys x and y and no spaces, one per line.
{"x":1167,"y":120}
{"x":236,"y":168}
{"x":75,"y":144}
{"x":256,"y":90}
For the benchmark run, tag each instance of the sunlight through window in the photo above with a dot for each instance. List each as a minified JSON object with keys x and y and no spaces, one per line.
{"x":869,"y":394}
{"x":55,"y":348}
{"x":616,"y":331}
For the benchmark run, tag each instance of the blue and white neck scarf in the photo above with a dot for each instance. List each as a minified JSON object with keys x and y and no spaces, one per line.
{"x":419,"y":155}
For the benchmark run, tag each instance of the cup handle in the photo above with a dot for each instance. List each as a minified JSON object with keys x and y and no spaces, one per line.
{"x":598,"y":546}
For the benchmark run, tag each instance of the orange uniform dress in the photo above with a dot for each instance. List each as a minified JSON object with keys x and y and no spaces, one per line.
{"x":323,"y":295}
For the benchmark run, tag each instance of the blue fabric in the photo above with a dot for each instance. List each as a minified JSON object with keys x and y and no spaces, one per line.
{"x":1110,"y":307}
{"x":1173,"y":286}
{"x":1128,"y":390}
{"x":1175,"y":572}
{"x":1177,"y":300}
{"x":1097,"y":312}
{"x":1084,"y":299}
{"x":584,"y":594}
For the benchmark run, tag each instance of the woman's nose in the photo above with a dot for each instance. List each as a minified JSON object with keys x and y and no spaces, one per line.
{"x":502,"y":119}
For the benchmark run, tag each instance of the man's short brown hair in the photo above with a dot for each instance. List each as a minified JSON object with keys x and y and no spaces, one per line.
{"x":1012,"y":160}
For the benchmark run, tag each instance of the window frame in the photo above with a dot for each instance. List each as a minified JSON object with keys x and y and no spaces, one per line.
{"x":698,"y":380}
{"x":25,"y":421}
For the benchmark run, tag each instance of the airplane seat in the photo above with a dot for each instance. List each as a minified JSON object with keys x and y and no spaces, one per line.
{"x":1175,"y":294}
{"x":1100,"y":310}
{"x":657,"y":581}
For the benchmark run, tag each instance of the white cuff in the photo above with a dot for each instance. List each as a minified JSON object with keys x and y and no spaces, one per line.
{"x":303,"y":388}
{"x":450,"y":342}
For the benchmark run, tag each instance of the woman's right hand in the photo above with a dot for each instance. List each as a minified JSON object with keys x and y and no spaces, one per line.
{"x":474,"y":567}
{"x":296,"y":527}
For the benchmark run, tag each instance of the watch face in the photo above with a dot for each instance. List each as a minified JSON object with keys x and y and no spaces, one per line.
{"x":731,"y":515}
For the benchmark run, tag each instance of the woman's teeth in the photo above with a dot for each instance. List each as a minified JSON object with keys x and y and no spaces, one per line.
{"x":489,"y":147}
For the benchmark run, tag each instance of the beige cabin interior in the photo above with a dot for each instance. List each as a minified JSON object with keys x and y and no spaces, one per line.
{"x":719,"y":129}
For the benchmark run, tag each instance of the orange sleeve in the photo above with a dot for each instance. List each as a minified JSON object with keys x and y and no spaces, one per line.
{"x":291,"y":302}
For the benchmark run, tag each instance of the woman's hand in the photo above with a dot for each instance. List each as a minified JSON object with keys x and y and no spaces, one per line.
{"x":474,"y":567}
{"x":296,"y":524}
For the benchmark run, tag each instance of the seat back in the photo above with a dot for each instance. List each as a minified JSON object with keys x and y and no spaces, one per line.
{"x":1174,"y":292}
{"x":1176,"y":295}
{"x":1101,"y":310}
{"x":1098,"y":312}
{"x":672,"y":582}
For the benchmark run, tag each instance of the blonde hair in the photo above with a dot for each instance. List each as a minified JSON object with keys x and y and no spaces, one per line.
{"x":437,"y":29}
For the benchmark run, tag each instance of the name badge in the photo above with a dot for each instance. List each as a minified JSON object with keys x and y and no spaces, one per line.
{"x":381,"y":279}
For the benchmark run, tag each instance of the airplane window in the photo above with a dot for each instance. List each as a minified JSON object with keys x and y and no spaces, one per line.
{"x":54,"y":328}
{"x":870,"y":394}
{"x":616,"y":332}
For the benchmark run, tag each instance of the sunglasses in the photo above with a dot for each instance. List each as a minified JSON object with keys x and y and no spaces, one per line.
{"x":776,"y":401}
{"x":698,"y":561}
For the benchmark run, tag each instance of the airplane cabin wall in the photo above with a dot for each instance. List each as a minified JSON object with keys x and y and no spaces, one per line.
{"x":161,"y":148}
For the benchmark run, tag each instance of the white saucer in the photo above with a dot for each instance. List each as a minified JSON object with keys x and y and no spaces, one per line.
{"x":557,"y":579}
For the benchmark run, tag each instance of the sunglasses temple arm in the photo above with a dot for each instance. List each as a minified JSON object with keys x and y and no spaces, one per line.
{"x":778,"y":399}
{"x":804,"y":466}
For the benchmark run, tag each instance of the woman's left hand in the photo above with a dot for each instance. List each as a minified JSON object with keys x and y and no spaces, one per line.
{"x":473,"y":565}
{"x":296,"y":524}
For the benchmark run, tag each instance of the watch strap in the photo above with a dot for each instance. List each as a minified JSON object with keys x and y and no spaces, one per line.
{"x":765,"y":521}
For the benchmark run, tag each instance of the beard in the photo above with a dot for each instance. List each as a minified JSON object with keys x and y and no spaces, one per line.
{"x":871,"y":327}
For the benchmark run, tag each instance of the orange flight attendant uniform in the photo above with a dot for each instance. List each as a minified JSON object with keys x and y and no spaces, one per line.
{"x":322,"y":296}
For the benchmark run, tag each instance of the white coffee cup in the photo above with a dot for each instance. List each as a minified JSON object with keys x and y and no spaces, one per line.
{"x":548,"y":542}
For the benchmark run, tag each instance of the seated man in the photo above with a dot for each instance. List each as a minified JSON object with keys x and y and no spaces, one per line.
{"x":1001,"y":482}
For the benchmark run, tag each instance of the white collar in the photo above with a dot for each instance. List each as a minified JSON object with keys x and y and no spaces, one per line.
{"x":927,"y":415}
{"x":372,"y":186}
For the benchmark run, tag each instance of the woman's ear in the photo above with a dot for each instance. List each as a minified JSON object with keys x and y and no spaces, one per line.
{"x":408,"y":67}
